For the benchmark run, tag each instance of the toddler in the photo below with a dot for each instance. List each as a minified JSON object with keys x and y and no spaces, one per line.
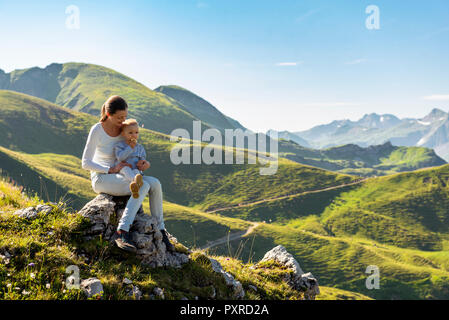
{"x":131,"y":152}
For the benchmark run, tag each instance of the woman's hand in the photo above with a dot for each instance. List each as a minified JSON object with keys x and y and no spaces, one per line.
{"x":143,"y":165}
{"x":119,"y":167}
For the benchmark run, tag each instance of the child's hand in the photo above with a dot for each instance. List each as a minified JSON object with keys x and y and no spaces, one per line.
{"x":119,"y":166}
{"x":143,"y":165}
{"x":132,"y":143}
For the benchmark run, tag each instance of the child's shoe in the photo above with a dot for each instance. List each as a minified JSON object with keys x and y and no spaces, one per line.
{"x":134,"y":187}
{"x":139,"y":180}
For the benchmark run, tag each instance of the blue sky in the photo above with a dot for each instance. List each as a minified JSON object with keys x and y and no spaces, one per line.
{"x":285,"y":65}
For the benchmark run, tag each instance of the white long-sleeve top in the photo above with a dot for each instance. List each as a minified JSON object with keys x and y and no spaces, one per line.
{"x":98,"y":154}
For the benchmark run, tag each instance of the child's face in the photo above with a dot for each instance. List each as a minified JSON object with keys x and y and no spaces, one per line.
{"x":131,"y":132}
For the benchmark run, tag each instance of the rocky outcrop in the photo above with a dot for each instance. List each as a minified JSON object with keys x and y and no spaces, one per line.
{"x":236,"y":286}
{"x":298,"y":280}
{"x":104,"y":212}
{"x":32,"y":212}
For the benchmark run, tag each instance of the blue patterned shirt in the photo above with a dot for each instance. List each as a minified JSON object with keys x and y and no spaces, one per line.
{"x":123,"y":152}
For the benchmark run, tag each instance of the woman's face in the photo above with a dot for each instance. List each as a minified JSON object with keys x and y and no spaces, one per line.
{"x":118,"y":117}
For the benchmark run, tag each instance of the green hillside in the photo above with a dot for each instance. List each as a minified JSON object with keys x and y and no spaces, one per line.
{"x":64,"y":131}
{"x":57,"y":130}
{"x":398,"y":223}
{"x":199,"y":107}
{"x":341,"y":262}
{"x":40,"y":250}
{"x":338,"y":260}
{"x":332,"y":258}
{"x":85,"y":87}
{"x":406,"y":210}
{"x":51,"y":176}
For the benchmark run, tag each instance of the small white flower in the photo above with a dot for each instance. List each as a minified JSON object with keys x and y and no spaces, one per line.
{"x":32,"y":275}
{"x":8,"y":285}
{"x":25,"y":293}
{"x":47,"y":286}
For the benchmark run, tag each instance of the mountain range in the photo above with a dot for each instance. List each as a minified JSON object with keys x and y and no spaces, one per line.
{"x":375,"y":160}
{"x":334,"y":223}
{"x":431,"y":131}
{"x":85,"y":87}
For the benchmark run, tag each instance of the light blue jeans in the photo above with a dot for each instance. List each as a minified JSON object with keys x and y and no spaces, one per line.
{"x":118,"y":185}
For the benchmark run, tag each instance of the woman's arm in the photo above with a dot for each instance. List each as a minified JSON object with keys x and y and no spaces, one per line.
{"x":89,"y":152}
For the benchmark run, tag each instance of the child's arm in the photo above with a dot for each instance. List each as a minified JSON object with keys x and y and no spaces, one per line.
{"x":142,"y":164}
{"x":122,"y":151}
{"x":142,"y":153}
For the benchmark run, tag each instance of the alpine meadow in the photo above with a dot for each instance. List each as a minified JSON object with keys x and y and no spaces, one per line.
{"x":337,"y":210}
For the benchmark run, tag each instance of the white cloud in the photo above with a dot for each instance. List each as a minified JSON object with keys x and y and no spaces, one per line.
{"x":437,"y":97}
{"x":288,"y":64}
{"x":358,"y":61}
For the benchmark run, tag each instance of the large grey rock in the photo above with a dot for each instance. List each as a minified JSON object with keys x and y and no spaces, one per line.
{"x":27,"y":213}
{"x":105,"y":211}
{"x":239,"y":293}
{"x":44,"y":208}
{"x":304,"y":282}
{"x":32,"y":212}
{"x":281,"y":255}
{"x":91,"y":287}
{"x":99,"y":211}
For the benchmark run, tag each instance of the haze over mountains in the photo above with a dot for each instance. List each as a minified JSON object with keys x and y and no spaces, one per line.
{"x":431,"y":131}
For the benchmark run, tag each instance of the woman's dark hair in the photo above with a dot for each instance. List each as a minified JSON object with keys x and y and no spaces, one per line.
{"x":111,"y":106}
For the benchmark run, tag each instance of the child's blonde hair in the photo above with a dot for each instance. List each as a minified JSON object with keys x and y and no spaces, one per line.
{"x":129,"y":122}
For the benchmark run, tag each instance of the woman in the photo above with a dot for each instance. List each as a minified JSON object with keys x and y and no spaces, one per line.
{"x":99,"y":158}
